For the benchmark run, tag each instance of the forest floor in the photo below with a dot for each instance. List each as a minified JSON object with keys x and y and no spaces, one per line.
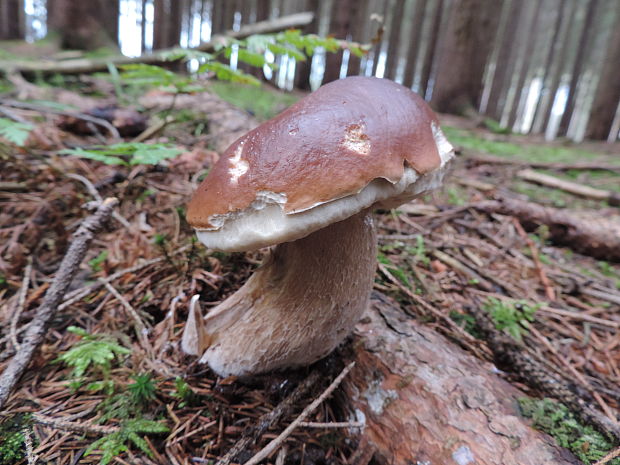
{"x":93,"y":379}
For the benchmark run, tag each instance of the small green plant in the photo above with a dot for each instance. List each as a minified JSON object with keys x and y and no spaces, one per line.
{"x":467,"y":322}
{"x":14,"y":132}
{"x":126,"y":153}
{"x":94,"y":352}
{"x":12,"y":448}
{"x":130,"y":433}
{"x":183,"y":392}
{"x":142,"y":389}
{"x":513,"y":317}
{"x":419,"y":252}
{"x":556,"y":420}
{"x":95,"y":263}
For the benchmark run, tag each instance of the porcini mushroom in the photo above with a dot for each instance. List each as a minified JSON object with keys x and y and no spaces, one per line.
{"x":307,"y":181}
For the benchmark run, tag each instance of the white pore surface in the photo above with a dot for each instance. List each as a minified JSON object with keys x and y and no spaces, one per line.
{"x":264,"y":222}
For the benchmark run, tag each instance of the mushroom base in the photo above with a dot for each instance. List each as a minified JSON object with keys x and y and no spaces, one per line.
{"x":296,"y":308}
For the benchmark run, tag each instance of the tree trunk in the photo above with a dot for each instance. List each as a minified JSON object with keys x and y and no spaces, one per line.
{"x":11,"y":19}
{"x":342,"y":13}
{"x":554,"y":48}
{"x":302,"y":71}
{"x":414,"y":42}
{"x":557,"y":75}
{"x":584,"y":46}
{"x":467,"y":44}
{"x":394,"y":43}
{"x":85,"y":25}
{"x":504,"y":58}
{"x":167,"y":28}
{"x":525,"y":65}
{"x":431,"y":49}
{"x":607,"y":94}
{"x":380,"y":36}
{"x":425,"y":400}
{"x":360,"y":24}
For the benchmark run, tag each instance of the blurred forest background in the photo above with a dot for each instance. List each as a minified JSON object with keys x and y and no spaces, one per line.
{"x":546,"y":67}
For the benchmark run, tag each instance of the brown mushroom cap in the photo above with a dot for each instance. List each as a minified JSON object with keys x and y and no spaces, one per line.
{"x":330,"y":146}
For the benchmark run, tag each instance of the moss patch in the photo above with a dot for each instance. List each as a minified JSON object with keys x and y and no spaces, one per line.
{"x":556,"y":420}
{"x":521,"y":151}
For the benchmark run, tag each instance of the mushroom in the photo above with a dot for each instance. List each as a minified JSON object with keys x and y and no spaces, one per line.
{"x":307,"y":181}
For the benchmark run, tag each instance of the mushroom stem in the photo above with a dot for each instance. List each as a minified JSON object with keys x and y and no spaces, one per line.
{"x":298,"y":306}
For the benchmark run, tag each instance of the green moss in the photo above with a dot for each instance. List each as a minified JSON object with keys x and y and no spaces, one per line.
{"x":262,"y":102}
{"x":12,"y":448}
{"x":520,"y":151}
{"x":556,"y":420}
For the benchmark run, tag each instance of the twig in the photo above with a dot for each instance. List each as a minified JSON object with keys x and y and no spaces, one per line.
{"x":42,"y":109}
{"x":84,"y":428}
{"x":21,"y":302}
{"x":13,"y":116}
{"x":333,"y":424}
{"x":274,"y":444}
{"x":269,"y":419}
{"x":32,"y":459}
{"x":139,"y":327}
{"x":468,"y":339}
{"x":93,"y":191}
{"x":68,"y":267}
{"x":549,"y":291}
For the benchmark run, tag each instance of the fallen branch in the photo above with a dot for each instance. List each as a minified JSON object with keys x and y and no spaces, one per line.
{"x":490,"y":159}
{"x":549,"y":290}
{"x":274,"y":444}
{"x":85,"y":65}
{"x":585,"y":233}
{"x":571,"y":187}
{"x":68,"y":267}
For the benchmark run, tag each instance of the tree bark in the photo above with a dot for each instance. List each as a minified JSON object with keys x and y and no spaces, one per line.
{"x":11,"y":19}
{"x":425,"y":400}
{"x":607,"y":94}
{"x":464,"y":54}
{"x":85,"y":25}
{"x":414,"y":43}
{"x":582,"y":53}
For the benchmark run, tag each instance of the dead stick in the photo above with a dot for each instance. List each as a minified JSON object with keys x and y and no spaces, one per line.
{"x":273,"y":445}
{"x":549,"y":290}
{"x":269,"y":419}
{"x":68,"y":267}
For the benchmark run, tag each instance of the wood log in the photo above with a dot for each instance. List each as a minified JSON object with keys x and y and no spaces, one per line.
{"x":585,"y":232}
{"x":425,"y":400}
{"x":480,"y":159}
{"x":571,"y":187}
